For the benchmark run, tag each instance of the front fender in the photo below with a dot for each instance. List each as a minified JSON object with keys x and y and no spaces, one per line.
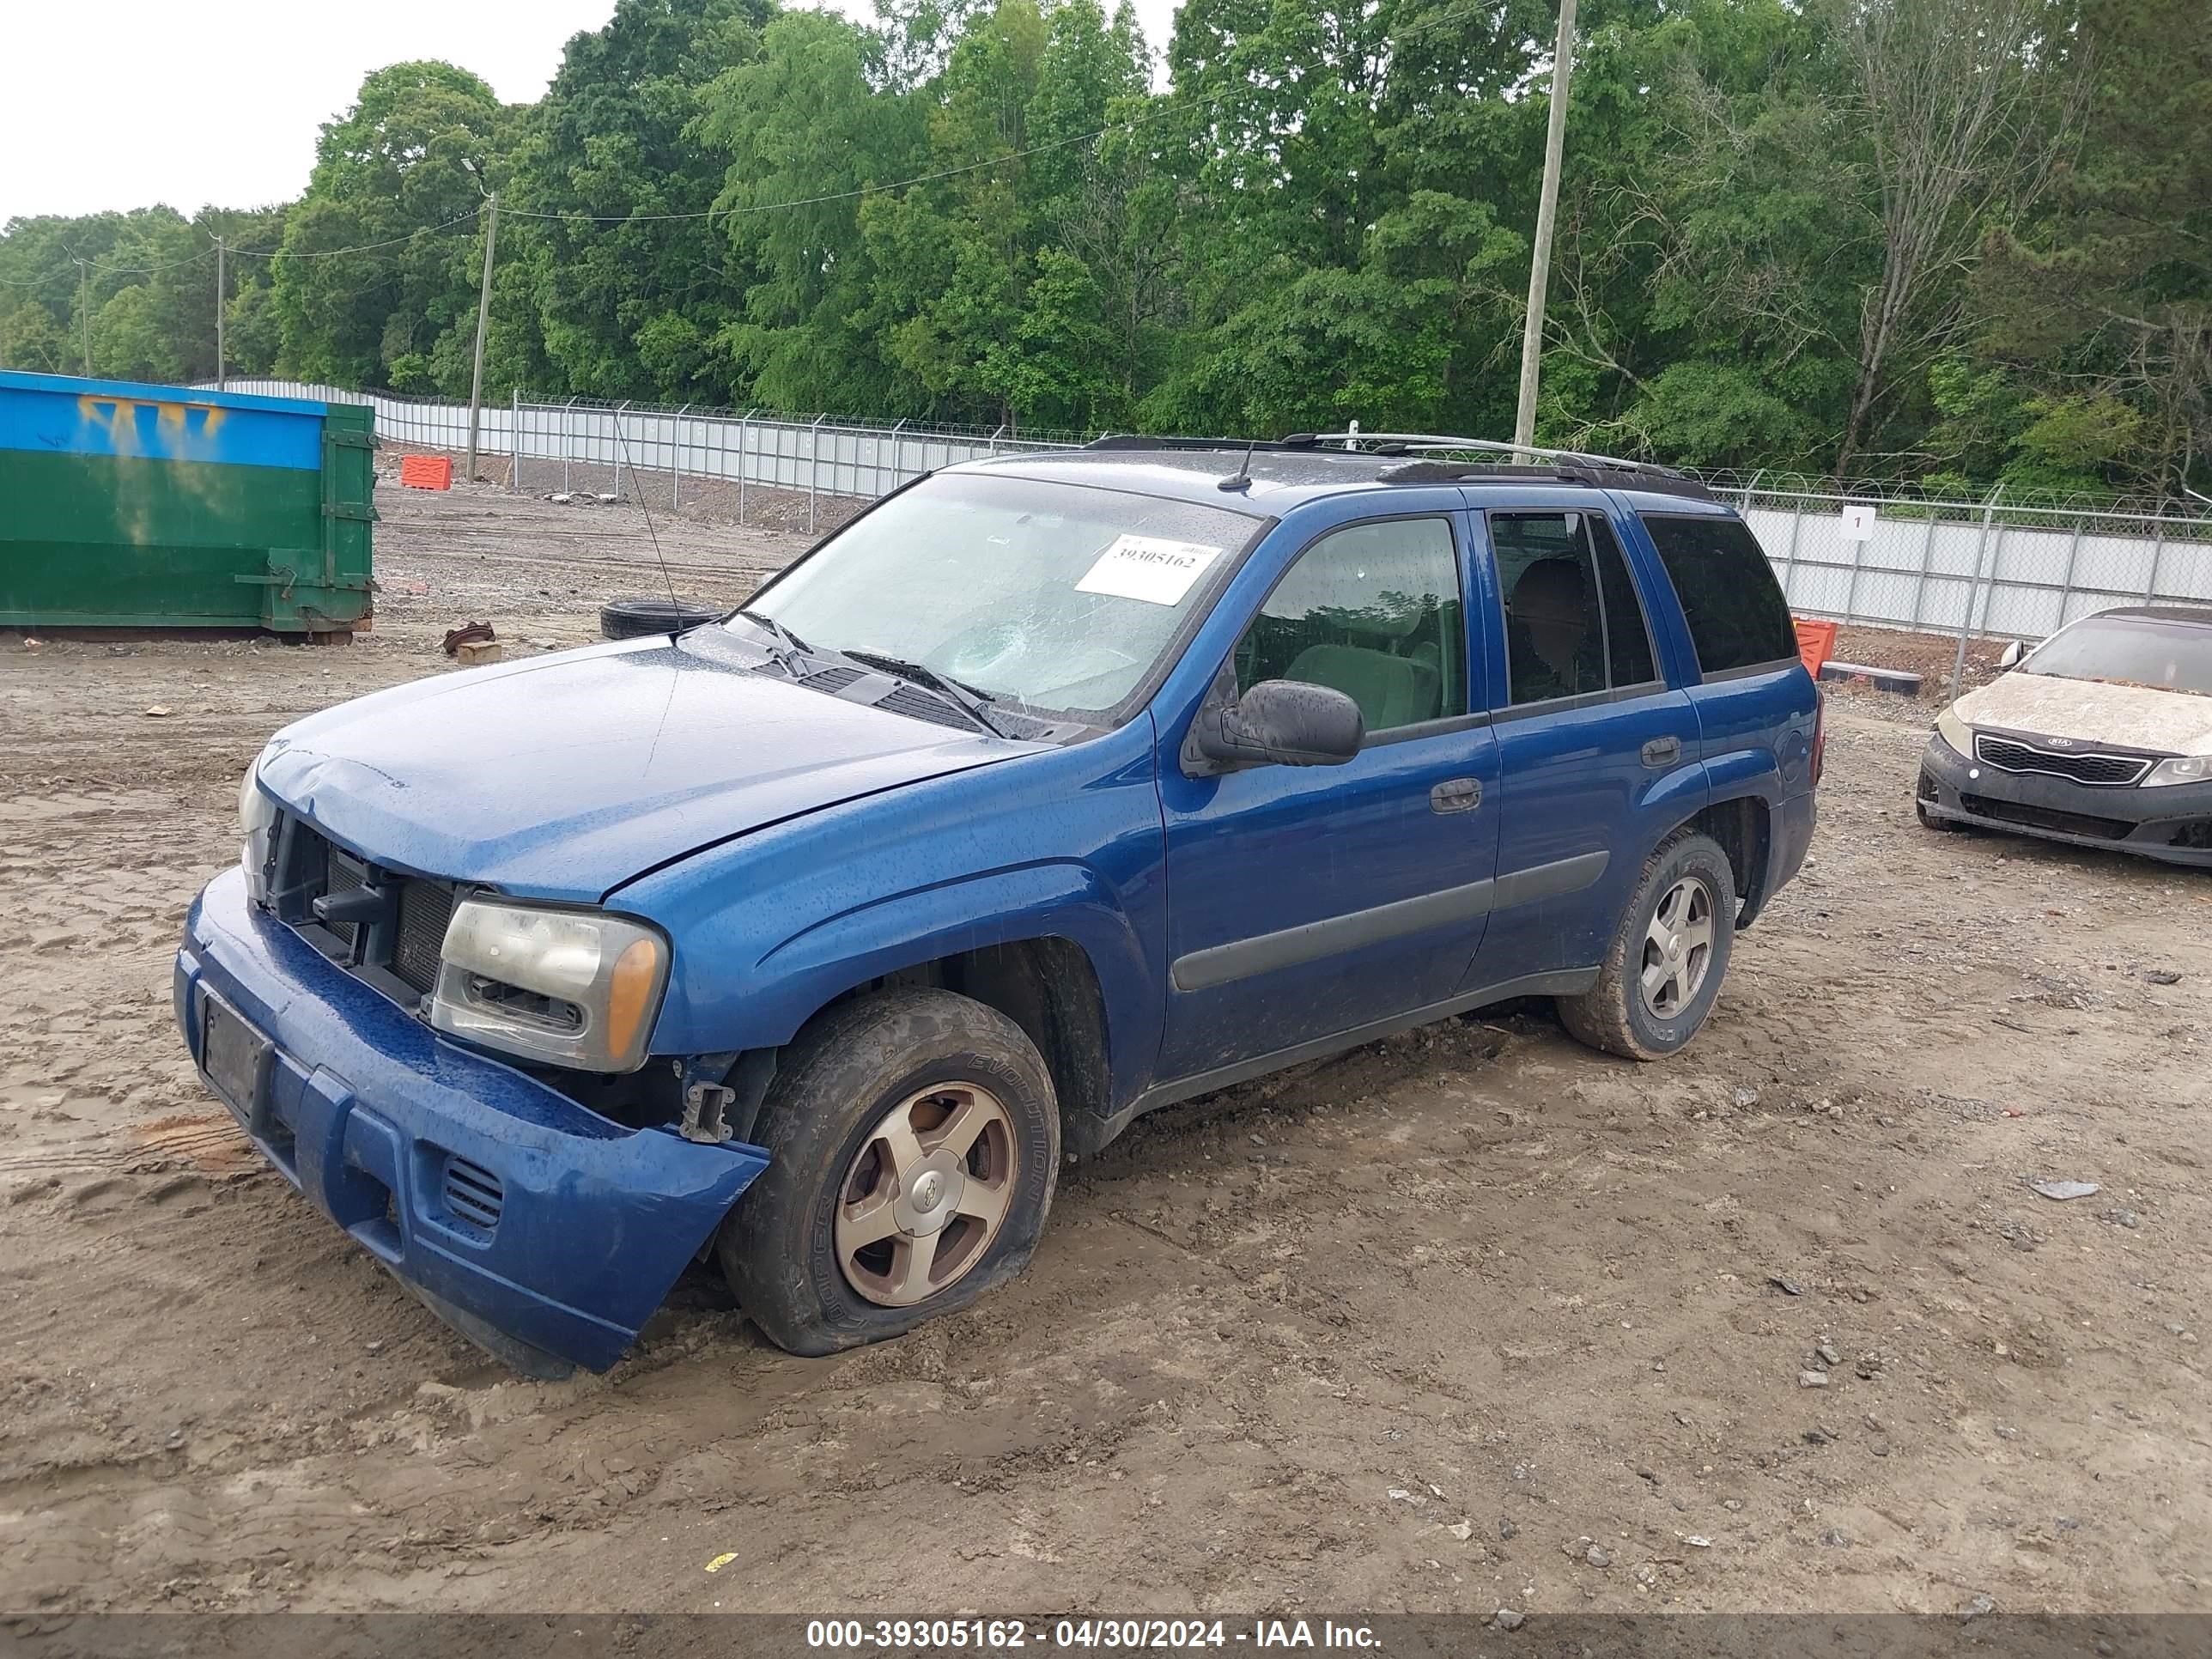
{"x":1063,"y":844}
{"x":1056,"y":899}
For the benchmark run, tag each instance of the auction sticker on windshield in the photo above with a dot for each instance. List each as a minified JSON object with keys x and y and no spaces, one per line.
{"x":1148,"y":568}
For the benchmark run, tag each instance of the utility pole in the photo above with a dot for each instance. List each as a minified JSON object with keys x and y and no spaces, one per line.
{"x":84,"y":313}
{"x":219,"y":375}
{"x":1548,"y":208}
{"x":483,"y":324}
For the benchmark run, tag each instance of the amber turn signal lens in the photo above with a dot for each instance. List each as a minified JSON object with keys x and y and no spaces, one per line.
{"x":629,"y":993}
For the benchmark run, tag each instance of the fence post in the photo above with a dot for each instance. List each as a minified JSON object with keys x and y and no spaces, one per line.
{"x":1852,"y":587}
{"x":743,"y":422}
{"x":568,"y":444}
{"x":1967,"y":617}
{"x":996,"y":436}
{"x":515,"y":441}
{"x":2066,"y":585}
{"x":813,"y":468}
{"x":1927,"y":565}
{"x":1747,"y":489}
{"x":898,"y":457}
{"x":1789,"y":561}
{"x":676,"y":489}
{"x":2157,"y":557}
{"x":621,"y":450}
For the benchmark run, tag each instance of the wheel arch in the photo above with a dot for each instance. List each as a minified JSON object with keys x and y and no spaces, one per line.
{"x":1045,"y":945}
{"x":1047,"y":985}
{"x":1743,"y":825}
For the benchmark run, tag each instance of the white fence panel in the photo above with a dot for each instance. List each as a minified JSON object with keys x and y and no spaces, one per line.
{"x":2018,"y":572}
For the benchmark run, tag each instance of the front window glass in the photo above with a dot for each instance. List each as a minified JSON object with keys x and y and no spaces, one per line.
{"x":1052,"y":595}
{"x":2169,"y":656}
{"x":1372,"y":611}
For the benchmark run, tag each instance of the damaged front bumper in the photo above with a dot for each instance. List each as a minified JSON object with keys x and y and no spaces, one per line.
{"x":2172,"y":822}
{"x":543,"y":1231}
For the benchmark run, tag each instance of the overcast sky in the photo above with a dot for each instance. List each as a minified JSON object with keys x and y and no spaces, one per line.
{"x":109,"y":104}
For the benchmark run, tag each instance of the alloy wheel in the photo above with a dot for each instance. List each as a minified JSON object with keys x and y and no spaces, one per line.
{"x":926,"y":1194}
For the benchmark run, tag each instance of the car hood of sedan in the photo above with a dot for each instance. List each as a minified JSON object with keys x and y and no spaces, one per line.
{"x":2092,"y":712}
{"x":564,"y":776}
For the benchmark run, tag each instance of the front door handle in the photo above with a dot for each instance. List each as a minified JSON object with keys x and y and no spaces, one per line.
{"x":1663,"y":751}
{"x":1456,"y":795}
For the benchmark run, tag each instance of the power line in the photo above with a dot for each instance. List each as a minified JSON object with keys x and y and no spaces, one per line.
{"x":365,"y":247}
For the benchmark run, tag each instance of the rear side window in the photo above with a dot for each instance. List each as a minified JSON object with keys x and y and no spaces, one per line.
{"x":1737,"y":616}
{"x":1573,"y":622}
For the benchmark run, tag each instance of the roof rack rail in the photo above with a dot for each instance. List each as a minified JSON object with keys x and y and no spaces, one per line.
{"x":1140,"y":441}
{"x":1412,"y":442}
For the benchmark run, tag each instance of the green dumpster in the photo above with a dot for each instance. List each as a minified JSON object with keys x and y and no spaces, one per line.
{"x":125,"y":505}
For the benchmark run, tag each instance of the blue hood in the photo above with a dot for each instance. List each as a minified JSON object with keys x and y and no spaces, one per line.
{"x":564,"y":776}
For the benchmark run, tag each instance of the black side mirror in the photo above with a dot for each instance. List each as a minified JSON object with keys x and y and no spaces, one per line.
{"x":1289,"y":722}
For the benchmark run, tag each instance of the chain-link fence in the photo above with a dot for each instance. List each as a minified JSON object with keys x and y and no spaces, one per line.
{"x":2009,"y":570}
{"x":672,"y":458}
{"x":1884,"y":557}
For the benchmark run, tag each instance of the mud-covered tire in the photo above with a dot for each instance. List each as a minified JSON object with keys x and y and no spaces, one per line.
{"x":780,"y":1247}
{"x":632,"y":619}
{"x":1614,"y":1014}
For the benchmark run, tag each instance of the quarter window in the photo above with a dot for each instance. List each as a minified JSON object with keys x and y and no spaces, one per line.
{"x":1737,"y":616}
{"x":1372,"y":611}
{"x":1574,"y":624}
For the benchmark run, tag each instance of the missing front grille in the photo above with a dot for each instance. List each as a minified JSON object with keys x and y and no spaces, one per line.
{"x":425,"y":909}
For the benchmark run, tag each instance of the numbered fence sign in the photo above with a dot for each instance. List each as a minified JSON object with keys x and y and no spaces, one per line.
{"x":1858,"y":523}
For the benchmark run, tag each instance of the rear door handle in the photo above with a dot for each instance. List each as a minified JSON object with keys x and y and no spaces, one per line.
{"x":1663,"y":751}
{"x":1456,"y":795}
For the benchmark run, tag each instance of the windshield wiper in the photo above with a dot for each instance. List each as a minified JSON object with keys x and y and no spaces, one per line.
{"x":968,"y":701}
{"x":791,"y":644}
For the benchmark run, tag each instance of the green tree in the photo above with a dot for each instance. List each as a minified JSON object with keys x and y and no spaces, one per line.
{"x":631,"y":294}
{"x":375,"y":283}
{"x":2102,"y":306}
{"x":805,"y":132}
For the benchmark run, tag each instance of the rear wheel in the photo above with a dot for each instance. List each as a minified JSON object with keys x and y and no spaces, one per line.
{"x":1663,"y":972}
{"x":914,"y":1143}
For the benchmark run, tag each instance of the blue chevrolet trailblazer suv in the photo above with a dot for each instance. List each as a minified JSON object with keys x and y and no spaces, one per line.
{"x":1052,"y":789}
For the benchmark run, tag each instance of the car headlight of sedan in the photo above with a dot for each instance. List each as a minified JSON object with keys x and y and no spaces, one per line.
{"x":2182,"y":769}
{"x":257,"y":823}
{"x":570,"y":987}
{"x":1955,"y":732}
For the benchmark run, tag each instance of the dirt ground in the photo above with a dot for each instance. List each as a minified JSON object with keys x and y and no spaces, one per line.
{"x":1467,"y":1319}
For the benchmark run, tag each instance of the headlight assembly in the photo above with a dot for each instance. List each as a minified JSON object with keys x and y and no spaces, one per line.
{"x":1955,"y":732}
{"x":570,"y":987}
{"x":257,"y":818}
{"x":2182,"y":769}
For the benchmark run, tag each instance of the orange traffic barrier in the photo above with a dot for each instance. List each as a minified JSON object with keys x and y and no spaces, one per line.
{"x":1815,"y":641}
{"x":427,"y":472}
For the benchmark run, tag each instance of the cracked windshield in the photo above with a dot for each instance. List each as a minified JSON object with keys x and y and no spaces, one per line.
{"x":1055,"y":596}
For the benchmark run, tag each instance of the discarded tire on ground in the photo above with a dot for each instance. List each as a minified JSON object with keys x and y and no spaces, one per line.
{"x":631,"y":619}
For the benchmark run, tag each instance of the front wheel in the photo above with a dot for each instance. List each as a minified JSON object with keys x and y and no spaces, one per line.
{"x":914,"y":1142}
{"x":1929,"y":821}
{"x":1663,"y":974}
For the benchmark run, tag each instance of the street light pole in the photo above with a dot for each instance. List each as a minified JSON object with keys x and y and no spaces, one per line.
{"x":1547,"y":208}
